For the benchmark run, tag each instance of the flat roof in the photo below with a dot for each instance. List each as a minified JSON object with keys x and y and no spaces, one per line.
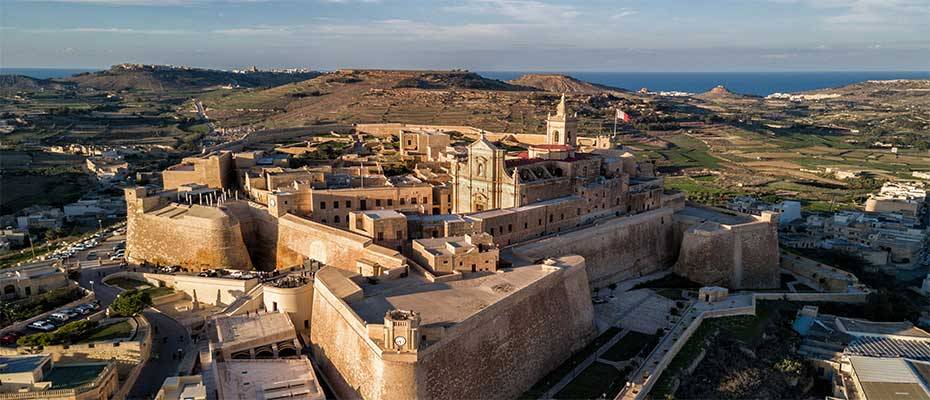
{"x":267,"y":379}
{"x":448,"y":303}
{"x":888,"y":378}
{"x":903,"y":328}
{"x":68,"y":376}
{"x":715,"y":215}
{"x":242,"y":328}
{"x":17,"y":364}
{"x":382,"y":214}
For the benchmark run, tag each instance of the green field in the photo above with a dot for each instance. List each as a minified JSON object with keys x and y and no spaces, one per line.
{"x":109,"y":332}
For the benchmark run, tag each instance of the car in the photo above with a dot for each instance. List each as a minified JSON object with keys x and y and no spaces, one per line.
{"x":60,"y":316}
{"x":10,"y":338}
{"x":43,"y":325}
{"x":115,"y":257}
{"x":236,"y":274}
{"x":83,"y":309}
{"x":69,"y":312}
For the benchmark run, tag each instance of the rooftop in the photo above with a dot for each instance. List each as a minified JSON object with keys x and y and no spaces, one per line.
{"x":448,"y":303}
{"x":887,"y":378}
{"x":69,"y":376}
{"x":267,"y":379}
{"x":715,"y":215}
{"x":244,"y":328}
{"x":17,"y":364}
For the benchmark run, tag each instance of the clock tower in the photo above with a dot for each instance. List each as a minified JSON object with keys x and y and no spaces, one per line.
{"x":401,"y":331}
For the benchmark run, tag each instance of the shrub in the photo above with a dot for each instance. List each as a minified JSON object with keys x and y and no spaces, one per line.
{"x":130,"y":303}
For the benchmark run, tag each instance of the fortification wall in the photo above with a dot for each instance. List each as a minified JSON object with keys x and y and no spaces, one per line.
{"x":496,"y":354}
{"x":740,"y":256}
{"x":300,"y":239}
{"x":507,"y":347}
{"x":185,"y":240}
{"x":614,"y":250}
{"x":350,"y":360}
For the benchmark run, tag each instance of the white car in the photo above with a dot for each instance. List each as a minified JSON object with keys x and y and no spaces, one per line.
{"x":42,"y":326}
{"x":60,"y":316}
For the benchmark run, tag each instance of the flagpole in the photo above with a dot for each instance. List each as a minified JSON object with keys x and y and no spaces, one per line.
{"x":615,"y":126}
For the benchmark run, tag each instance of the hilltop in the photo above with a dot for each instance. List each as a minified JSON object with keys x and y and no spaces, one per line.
{"x":557,"y":83}
{"x":373,"y":96}
{"x":24,"y":83}
{"x":166,"y":78}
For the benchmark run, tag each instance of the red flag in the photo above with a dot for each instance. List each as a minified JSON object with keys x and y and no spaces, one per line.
{"x":624,"y":116}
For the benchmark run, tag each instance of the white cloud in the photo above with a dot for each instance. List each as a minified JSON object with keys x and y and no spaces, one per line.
{"x":530,"y":11}
{"x":623,"y":13}
{"x":171,"y":3}
{"x":122,"y":31}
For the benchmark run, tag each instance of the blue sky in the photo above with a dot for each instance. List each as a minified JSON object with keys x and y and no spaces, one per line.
{"x":517,"y":35}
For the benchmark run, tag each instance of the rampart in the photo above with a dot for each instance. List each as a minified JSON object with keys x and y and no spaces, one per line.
{"x":616,"y":249}
{"x":735,"y":251}
{"x":497,"y":352}
{"x":174,"y":234}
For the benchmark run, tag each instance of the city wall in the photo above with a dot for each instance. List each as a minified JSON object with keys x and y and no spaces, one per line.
{"x":174,"y":234}
{"x":739,"y":256}
{"x":616,"y":249}
{"x":497,"y":353}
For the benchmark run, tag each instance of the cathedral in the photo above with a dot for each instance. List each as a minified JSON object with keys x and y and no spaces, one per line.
{"x":490,"y":178}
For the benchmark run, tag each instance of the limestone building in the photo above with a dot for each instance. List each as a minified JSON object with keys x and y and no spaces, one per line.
{"x":468,"y":253}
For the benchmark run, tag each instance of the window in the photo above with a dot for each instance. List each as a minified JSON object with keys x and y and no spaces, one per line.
{"x":390,"y":202}
{"x":336,"y":219}
{"x":348,"y":203}
{"x":526,"y":225}
{"x":550,"y":218}
{"x":377,"y":202}
{"x":274,"y":306}
{"x":402,"y":202}
{"x":336,"y":204}
{"x":540,"y":222}
{"x":306,"y":324}
{"x":322,"y":205}
{"x":413,"y":200}
{"x":509,"y":228}
{"x":400,"y":234}
{"x":425,"y":200}
{"x":380,"y":235}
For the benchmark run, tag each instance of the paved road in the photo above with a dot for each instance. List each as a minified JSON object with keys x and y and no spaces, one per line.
{"x":167,"y":336}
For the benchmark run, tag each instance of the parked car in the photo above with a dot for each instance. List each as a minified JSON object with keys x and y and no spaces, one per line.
{"x":83,"y":309}
{"x":69,"y":312}
{"x":44,"y":326}
{"x":60,"y":316}
{"x":10,"y":338}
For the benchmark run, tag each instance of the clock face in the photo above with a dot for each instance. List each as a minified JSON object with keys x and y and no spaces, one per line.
{"x":400,"y":341}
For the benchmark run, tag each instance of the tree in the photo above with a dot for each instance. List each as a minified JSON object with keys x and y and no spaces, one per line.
{"x":130,"y":303}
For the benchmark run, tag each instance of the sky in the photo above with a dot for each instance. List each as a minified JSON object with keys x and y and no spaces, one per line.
{"x":483,"y":35}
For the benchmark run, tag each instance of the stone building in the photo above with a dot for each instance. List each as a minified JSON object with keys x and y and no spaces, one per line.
{"x":387,"y":228}
{"x":215,"y":170}
{"x":469,"y":253}
{"x":37,"y":377}
{"x":30,"y":280}
{"x":423,"y":144}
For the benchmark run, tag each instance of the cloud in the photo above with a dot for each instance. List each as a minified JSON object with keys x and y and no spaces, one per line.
{"x":869,"y":14}
{"x":530,"y":11}
{"x":122,"y":31}
{"x":169,"y":3}
{"x":623,"y":13}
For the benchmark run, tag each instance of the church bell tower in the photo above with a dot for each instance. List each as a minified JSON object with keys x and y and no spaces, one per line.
{"x":561,"y":128}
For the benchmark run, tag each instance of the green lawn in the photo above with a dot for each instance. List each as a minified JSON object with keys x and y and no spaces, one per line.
{"x":566,"y":367}
{"x":629,"y":346}
{"x":159,"y":291}
{"x":109,"y":332}
{"x":596,"y":381}
{"x":127,"y":284}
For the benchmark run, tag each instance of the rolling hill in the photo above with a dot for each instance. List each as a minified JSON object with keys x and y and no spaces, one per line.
{"x":165,"y":78}
{"x":561,"y":84}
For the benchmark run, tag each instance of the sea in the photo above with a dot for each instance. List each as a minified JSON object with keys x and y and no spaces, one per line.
{"x":752,"y":83}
